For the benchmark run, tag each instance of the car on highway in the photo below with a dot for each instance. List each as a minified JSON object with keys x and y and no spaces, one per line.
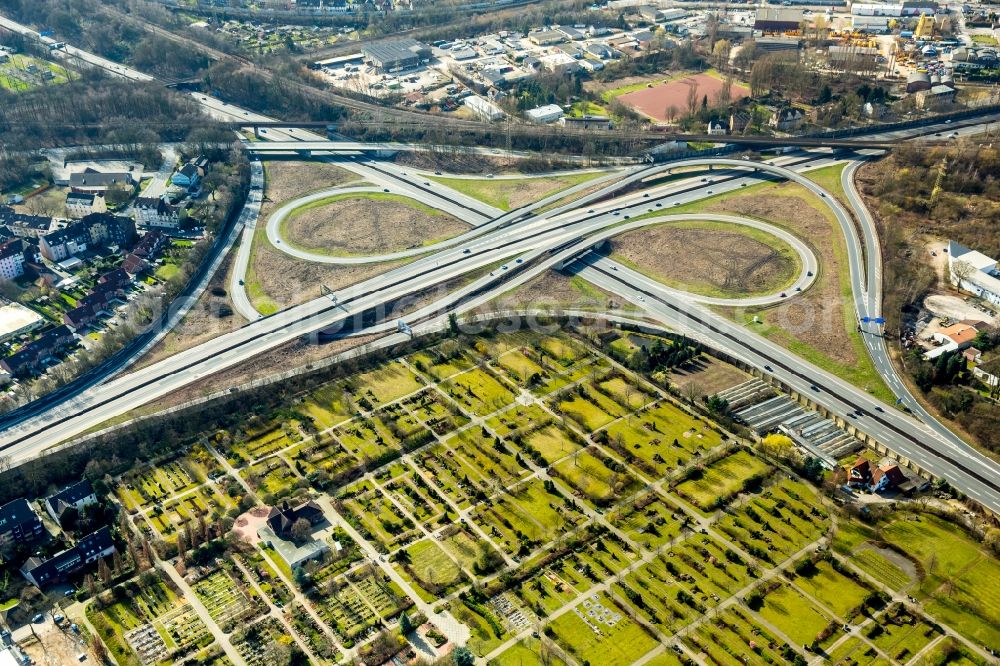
{"x":466,"y":251}
{"x":504,"y":267}
{"x":768,"y":368}
{"x":709,"y":192}
{"x":783,"y":294}
{"x":519,"y":261}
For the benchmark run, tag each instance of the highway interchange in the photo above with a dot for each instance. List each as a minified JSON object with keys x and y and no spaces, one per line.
{"x":527,"y":242}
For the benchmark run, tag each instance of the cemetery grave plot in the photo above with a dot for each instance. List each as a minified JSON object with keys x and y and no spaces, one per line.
{"x":563,"y":350}
{"x":589,"y":409}
{"x":478,"y":392}
{"x":278,"y":435}
{"x":596,"y":630}
{"x":796,"y":617}
{"x":776,"y":523}
{"x":518,"y":419}
{"x":440,"y":416}
{"x":900,"y":633}
{"x":664,"y":436}
{"x":381,"y":593}
{"x":711,"y":487}
{"x":178,"y":629}
{"x":575,"y":573}
{"x":271,"y":476}
{"x":345,"y":611}
{"x":422,"y":501}
{"x":526,"y":517}
{"x":266,"y":577}
{"x":372,"y":514}
{"x":842,"y":594}
{"x":328,"y":406}
{"x":961,"y":585}
{"x":549,"y":444}
{"x":322,"y":453}
{"x":384,"y":384}
{"x":443,"y":361}
{"x":439,"y":463}
{"x":310,"y":632}
{"x":368,"y":437}
{"x":508,"y":608}
{"x":481,"y":457}
{"x":649,"y":520}
{"x":733,"y":638}
{"x":529,"y":651}
{"x":126,"y":624}
{"x":486,"y":630}
{"x":206,"y":501}
{"x":224,"y":598}
{"x":680,"y":584}
{"x":151,"y":485}
{"x":520,"y":368}
{"x":256,"y":642}
{"x":855,"y":651}
{"x":430,"y":569}
{"x":875,"y":562}
{"x":595,"y":477}
{"x":463,"y":546}
{"x":626,"y":391}
{"x":344,"y":552}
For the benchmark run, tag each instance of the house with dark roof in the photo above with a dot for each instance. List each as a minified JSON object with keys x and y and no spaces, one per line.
{"x":85,"y":552}
{"x":155,"y":212}
{"x":280,"y":520}
{"x":96,"y":182}
{"x":19,"y":523}
{"x":24,"y":225}
{"x":77,"y":496}
{"x":31,"y":356}
{"x":188,"y":176}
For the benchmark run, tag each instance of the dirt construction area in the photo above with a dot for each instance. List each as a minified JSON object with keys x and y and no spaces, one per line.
{"x":709,"y":259}
{"x":360,"y":225}
{"x":655,"y":102}
{"x":816,"y":317}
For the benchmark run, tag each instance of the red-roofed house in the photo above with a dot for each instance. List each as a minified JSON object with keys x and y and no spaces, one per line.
{"x":860,"y":473}
{"x":886,"y":477}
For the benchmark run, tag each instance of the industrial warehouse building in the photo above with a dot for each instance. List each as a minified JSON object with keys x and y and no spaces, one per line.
{"x":396,"y":55}
{"x":974,"y":272}
{"x":777,"y":19}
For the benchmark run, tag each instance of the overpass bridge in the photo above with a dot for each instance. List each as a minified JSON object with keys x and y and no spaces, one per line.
{"x":309,"y":148}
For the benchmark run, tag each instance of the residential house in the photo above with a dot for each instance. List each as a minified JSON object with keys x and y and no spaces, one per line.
{"x":86,"y":551}
{"x":715,"y":128}
{"x":155,"y":212}
{"x":77,"y":496}
{"x":23,"y":225}
{"x":973,"y":355}
{"x":63,"y":243}
{"x":739,"y":121}
{"x":787,"y":119}
{"x":953,"y":338}
{"x":887,"y":476}
{"x":79,"y":204}
{"x":97,"y":182}
{"x":110,"y":288}
{"x":147,"y":249}
{"x":188,"y":177}
{"x":110,"y":230}
{"x":974,"y":272}
{"x":14,"y":254}
{"x":860,"y":473}
{"x":19,"y":523}
{"x":31,"y":356}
